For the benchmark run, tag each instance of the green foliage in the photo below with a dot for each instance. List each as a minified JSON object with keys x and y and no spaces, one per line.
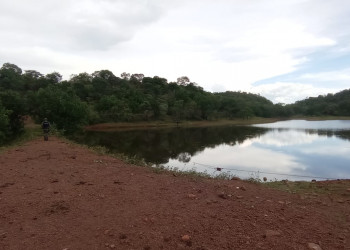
{"x":4,"y":123}
{"x":64,"y":109}
{"x":10,"y":77}
{"x":104,"y":97}
{"x":113,"y":109}
{"x":14,"y":103}
{"x":334,"y":105}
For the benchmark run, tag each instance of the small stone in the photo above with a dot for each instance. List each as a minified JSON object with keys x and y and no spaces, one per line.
{"x":208,"y":201}
{"x":223,"y":196}
{"x":281,"y":202}
{"x":271,"y":233}
{"x":243,"y":188}
{"x":122,"y":236}
{"x":239,"y":197}
{"x":313,"y":246}
{"x":191,"y":196}
{"x":341,"y":237}
{"x":112,"y":246}
{"x":186,"y":238}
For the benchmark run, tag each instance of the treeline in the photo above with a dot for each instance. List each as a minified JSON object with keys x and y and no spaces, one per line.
{"x":103,"y":97}
{"x":332,"y":104}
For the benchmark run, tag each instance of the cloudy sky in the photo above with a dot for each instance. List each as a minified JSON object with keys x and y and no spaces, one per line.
{"x":285,"y":50}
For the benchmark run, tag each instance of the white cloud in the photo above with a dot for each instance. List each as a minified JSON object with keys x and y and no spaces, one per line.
{"x":76,"y":25}
{"x":242,"y":158}
{"x":287,"y":92}
{"x":281,"y":138}
{"x":221,"y":45}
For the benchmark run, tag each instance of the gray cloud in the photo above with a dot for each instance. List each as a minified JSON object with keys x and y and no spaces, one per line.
{"x":66,"y":25}
{"x":221,"y":45}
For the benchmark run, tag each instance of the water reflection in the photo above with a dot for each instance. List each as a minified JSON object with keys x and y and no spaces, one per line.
{"x":252,"y":151}
{"x":306,"y":125}
{"x":160,"y":145}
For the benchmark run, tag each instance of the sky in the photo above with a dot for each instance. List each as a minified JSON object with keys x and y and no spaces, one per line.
{"x":283,"y":50}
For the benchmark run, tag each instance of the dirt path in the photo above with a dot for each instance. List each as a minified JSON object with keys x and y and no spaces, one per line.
{"x":54,"y":195}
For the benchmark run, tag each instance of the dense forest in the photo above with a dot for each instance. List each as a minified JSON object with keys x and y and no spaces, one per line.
{"x":103,"y":97}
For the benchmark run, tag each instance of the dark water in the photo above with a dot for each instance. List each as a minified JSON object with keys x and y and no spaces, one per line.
{"x":282,"y":150}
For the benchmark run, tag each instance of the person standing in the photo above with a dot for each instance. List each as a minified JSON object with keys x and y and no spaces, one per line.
{"x":45,"y":125}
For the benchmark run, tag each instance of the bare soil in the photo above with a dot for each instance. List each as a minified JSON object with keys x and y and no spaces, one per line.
{"x":57,"y":195}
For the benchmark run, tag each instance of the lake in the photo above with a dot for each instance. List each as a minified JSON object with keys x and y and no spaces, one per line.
{"x":293,"y":150}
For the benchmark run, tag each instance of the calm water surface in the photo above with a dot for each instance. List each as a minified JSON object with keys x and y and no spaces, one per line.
{"x":294,"y":150}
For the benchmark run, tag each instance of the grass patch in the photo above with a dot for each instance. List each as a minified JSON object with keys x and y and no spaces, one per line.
{"x":304,"y":187}
{"x":177,"y":172}
{"x":319,"y":118}
{"x":27,"y":135}
{"x":31,"y":132}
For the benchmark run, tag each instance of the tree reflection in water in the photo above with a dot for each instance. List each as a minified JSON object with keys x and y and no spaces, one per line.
{"x":160,"y":145}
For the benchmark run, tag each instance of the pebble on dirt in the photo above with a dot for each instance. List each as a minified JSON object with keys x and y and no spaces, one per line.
{"x":313,"y":246}
{"x":270,"y":233}
{"x":186,"y":238}
{"x":223,"y":196}
{"x":191,"y":196}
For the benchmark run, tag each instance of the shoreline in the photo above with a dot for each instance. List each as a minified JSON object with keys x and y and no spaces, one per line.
{"x":165,"y":124}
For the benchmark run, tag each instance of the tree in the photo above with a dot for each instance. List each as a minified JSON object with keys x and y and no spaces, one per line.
{"x":12,"y":67}
{"x":4,"y":123}
{"x":137,"y":77}
{"x":11,"y":77}
{"x":32,"y":74}
{"x":16,"y":109}
{"x":82,"y":85}
{"x":33,"y":80}
{"x":125,"y":76}
{"x":114,"y":109}
{"x":183,"y":80}
{"x":62,"y":108}
{"x":105,"y":74}
{"x":54,"y":77}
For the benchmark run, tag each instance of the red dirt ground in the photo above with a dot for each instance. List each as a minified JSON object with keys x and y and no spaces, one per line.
{"x":56,"y":195}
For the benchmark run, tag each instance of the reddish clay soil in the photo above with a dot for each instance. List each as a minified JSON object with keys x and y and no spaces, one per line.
{"x":56,"y":195}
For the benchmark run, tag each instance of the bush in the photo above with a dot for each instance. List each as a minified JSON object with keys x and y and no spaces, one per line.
{"x":4,"y":123}
{"x":64,"y":109}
